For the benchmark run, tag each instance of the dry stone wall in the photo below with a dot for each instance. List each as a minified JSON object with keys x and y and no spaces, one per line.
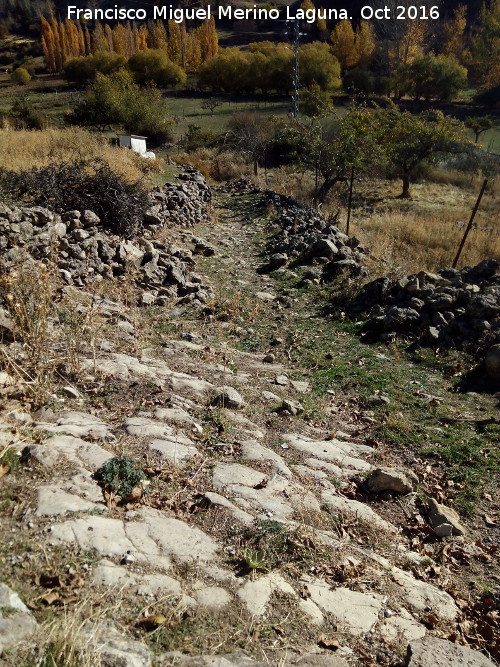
{"x":308,"y":238}
{"x":85,"y":251}
{"x":452,"y":308}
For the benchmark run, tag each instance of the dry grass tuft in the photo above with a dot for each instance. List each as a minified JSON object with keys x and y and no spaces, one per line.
{"x":215,"y":165}
{"x":411,"y":241}
{"x":31,"y":312}
{"x":24,"y":149}
{"x":75,"y":637}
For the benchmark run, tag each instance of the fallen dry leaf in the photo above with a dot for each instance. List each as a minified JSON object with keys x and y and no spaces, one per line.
{"x":4,"y":469}
{"x":485,"y":630}
{"x":75,"y":580}
{"x":52,"y":597}
{"x":304,"y":592}
{"x":330,"y":643}
{"x":135,"y":495}
{"x":67,"y":599}
{"x":430,"y":621}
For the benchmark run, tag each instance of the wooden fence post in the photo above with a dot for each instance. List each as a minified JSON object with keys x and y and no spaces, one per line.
{"x":469,"y":226}
{"x":349,"y":203}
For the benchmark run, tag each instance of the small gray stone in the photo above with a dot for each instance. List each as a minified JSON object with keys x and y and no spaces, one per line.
{"x":391,"y":479}
{"x":90,"y":219}
{"x":20,"y":417}
{"x":278,"y":260}
{"x":177,"y":659}
{"x":293,"y":407}
{"x":71,"y":392}
{"x":42,"y":454}
{"x":228,"y":397}
{"x":324,"y":248}
{"x":107,"y":647}
{"x":127,"y":327}
{"x":16,"y":622}
{"x":444,"y":530}
{"x":265,"y":296}
{"x":270,"y":396}
{"x":440,"y":514}
{"x":6,"y":322}
{"x":376,"y":399}
{"x":148,"y":298}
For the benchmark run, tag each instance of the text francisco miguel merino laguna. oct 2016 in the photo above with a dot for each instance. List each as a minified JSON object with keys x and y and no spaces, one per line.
{"x":181,"y":14}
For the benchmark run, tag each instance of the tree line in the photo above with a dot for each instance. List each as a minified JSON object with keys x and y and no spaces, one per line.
{"x":396,"y":58}
{"x":362,"y":141}
{"x":64,"y":40}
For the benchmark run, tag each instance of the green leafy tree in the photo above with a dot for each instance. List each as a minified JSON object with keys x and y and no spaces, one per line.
{"x":116,"y":100}
{"x":334,"y":149}
{"x":26,"y":116}
{"x":250,"y":133}
{"x":84,"y":69}
{"x":349,"y":144}
{"x":153,"y":67}
{"x":102,"y":103}
{"x":319,"y":66}
{"x":279,"y":68}
{"x":485,"y":46}
{"x":20,"y":76}
{"x":410,"y":139}
{"x":145,"y":112}
{"x":432,"y":77}
{"x":489,"y":98}
{"x":358,"y":80}
{"x":227,"y":72}
{"x":211,"y":104}
{"x":480,"y":124}
{"x":315,"y":102}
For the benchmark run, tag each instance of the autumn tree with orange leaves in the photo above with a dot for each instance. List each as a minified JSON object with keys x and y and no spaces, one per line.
{"x":62,"y":41}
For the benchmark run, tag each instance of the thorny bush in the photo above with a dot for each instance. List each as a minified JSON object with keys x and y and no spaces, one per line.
{"x":81,"y":185}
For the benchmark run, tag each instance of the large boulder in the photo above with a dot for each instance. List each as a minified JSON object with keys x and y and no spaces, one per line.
{"x":433,"y":652}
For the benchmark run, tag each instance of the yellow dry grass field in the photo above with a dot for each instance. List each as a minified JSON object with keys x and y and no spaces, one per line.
{"x":425,"y":232}
{"x":24,"y":149}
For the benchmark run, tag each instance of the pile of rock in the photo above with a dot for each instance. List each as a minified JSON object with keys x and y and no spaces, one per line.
{"x":307,"y":237}
{"x":85,"y":251}
{"x":451,"y":308}
{"x":185,"y":203}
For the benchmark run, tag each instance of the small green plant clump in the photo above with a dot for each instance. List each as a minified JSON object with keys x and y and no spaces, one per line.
{"x":120,"y":475}
{"x":255,"y":560}
{"x":20,"y":76}
{"x":269,"y":544}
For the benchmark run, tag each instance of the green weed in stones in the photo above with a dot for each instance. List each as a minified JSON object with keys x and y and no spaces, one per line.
{"x":10,"y":459}
{"x":120,"y":476}
{"x":255,"y":560}
{"x":214,"y":425}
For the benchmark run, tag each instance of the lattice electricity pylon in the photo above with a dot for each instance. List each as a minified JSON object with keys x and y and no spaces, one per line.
{"x":296,"y":70}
